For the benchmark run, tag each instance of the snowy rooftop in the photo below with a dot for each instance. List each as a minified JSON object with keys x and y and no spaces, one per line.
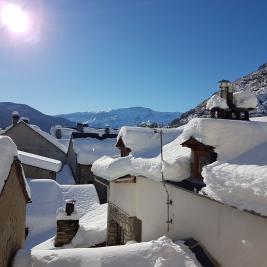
{"x":145,"y":142}
{"x":67,"y":132}
{"x":89,"y":149}
{"x":39,"y":161}
{"x":8,"y":152}
{"x":47,"y":197}
{"x":237,"y":178}
{"x":242,"y":99}
{"x":156,"y":253}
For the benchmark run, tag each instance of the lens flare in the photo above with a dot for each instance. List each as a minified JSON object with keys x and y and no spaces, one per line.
{"x":14,"y":18}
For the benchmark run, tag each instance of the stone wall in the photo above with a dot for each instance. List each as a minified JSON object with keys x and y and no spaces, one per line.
{"x":12,"y":218}
{"x":66,"y":230}
{"x":122,"y":227}
{"x":38,"y":173}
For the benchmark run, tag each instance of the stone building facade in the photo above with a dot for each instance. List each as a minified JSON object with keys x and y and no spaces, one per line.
{"x":29,"y":140}
{"x":13,"y":199}
{"x":38,"y":173}
{"x":122,"y":227}
{"x":66,"y":230}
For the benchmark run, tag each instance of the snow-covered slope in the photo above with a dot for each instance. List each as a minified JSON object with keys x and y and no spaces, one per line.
{"x":120,"y":117}
{"x":255,"y":82}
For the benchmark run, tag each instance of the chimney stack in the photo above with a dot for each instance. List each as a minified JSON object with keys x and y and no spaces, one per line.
{"x":79,"y":127}
{"x":107,"y":131}
{"x":15,"y":117}
{"x":58,"y":132}
{"x":67,"y":224}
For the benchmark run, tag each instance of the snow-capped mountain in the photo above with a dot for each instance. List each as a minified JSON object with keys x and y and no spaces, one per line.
{"x":255,"y":82}
{"x":124,"y":116}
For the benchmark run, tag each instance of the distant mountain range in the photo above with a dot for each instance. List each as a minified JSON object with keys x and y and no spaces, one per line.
{"x":124,"y":116}
{"x":255,"y":82}
{"x":114,"y":118}
{"x":35,"y":116}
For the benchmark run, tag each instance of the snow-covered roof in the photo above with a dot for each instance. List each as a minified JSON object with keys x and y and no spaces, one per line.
{"x":238,"y":177}
{"x":8,"y":153}
{"x":156,"y":253}
{"x":39,"y":161}
{"x":92,"y":228}
{"x":67,"y":132}
{"x":89,"y":149}
{"x":47,"y":197}
{"x":216,"y":102}
{"x":242,"y":99}
{"x":262,"y":119}
{"x":176,"y":164}
{"x":145,"y":142}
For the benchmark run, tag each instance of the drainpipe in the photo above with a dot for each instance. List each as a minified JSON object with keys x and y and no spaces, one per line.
{"x":169,"y":201}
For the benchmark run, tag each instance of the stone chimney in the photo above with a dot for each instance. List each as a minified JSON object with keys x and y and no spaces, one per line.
{"x":79,"y":127}
{"x":67,"y":224}
{"x":107,"y":131}
{"x":226,"y":92}
{"x":58,"y":133}
{"x":15,"y":117}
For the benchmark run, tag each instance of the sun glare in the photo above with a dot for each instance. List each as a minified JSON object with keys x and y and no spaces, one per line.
{"x":14,"y":18}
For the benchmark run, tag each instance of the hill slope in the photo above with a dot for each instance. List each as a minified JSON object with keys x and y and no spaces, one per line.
{"x":124,"y":116}
{"x":35,"y":116}
{"x":255,"y":82}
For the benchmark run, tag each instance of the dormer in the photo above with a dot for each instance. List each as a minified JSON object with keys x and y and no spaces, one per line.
{"x":201,"y":155}
{"x":125,"y":151}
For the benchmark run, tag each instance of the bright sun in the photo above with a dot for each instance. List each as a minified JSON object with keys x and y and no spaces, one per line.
{"x":14,"y":18}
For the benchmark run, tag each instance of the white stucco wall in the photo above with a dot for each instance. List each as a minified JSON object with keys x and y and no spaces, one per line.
{"x":234,"y":238}
{"x":123,"y":195}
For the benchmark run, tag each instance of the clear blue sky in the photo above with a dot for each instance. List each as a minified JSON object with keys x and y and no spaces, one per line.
{"x":90,"y":55}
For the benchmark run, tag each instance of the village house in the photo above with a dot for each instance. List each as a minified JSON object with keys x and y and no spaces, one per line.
{"x":84,"y":149}
{"x":231,"y":105}
{"x":38,"y":167}
{"x":208,"y":184}
{"x":14,"y":195}
{"x":30,"y":138}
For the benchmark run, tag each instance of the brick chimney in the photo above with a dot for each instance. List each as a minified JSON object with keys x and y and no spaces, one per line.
{"x":67,"y":224}
{"x":15,"y":117}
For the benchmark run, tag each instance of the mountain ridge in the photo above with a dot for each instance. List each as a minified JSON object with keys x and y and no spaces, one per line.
{"x":34,"y":115}
{"x":122,"y":116}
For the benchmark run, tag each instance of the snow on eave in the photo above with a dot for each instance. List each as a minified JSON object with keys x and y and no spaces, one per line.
{"x":230,"y":138}
{"x":39,"y":161}
{"x":9,"y":160}
{"x":88,"y":150}
{"x":145,"y":142}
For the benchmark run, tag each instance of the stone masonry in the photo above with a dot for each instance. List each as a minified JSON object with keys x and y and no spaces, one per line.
{"x":122,"y":227}
{"x":66,"y":230}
